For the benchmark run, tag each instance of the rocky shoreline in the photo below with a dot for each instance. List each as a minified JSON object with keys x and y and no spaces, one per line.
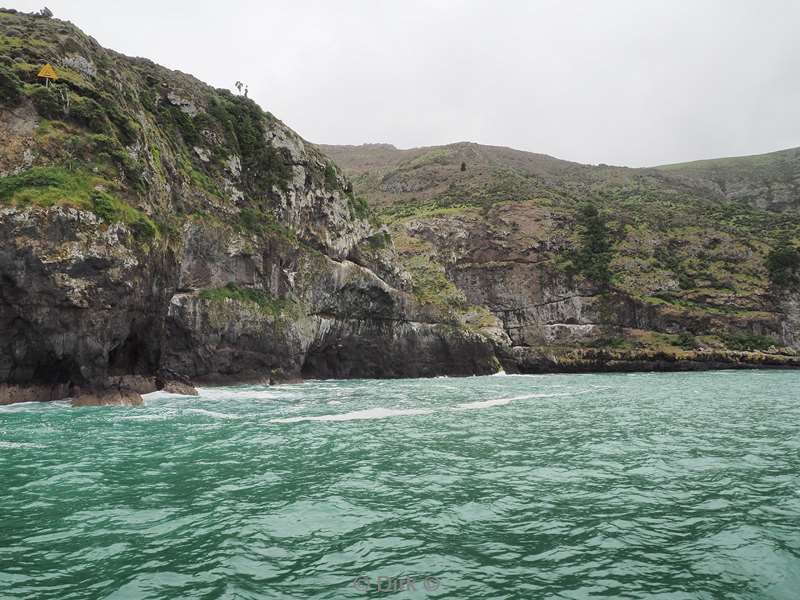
{"x":128,"y":391}
{"x":160,"y":234}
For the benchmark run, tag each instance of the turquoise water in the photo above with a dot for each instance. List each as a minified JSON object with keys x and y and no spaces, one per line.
{"x":564,"y":486}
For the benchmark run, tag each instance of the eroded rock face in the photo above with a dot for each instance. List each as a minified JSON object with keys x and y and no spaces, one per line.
{"x":77,"y":304}
{"x":158,"y":232}
{"x":330,"y":318}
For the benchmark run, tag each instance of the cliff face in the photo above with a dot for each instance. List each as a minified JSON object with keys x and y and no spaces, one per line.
{"x":598,"y":267}
{"x":156,"y":229}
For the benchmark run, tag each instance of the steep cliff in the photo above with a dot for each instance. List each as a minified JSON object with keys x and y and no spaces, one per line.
{"x":600,"y":267}
{"x":157,"y":230}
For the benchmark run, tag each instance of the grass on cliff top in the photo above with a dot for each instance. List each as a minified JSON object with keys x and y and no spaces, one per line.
{"x":54,"y":186}
{"x":264,"y":300}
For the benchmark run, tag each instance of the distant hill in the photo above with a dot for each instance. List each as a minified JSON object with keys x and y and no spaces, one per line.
{"x":764,"y":180}
{"x":676,"y":259}
{"x":388,"y":174}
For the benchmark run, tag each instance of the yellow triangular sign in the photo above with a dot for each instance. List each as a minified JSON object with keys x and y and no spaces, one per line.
{"x":48,"y":72}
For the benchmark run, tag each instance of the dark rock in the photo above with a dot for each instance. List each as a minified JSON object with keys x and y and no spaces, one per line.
{"x":140,"y":384}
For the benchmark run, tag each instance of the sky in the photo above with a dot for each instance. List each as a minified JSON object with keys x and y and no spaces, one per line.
{"x":625,"y":82}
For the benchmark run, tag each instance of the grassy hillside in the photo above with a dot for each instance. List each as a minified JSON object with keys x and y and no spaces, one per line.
{"x":769,"y":181}
{"x":695,"y":243}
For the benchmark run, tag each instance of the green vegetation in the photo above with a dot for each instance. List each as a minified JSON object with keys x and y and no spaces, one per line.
{"x":747,"y":341}
{"x":262,"y":223}
{"x":380,"y":240}
{"x":49,"y":186}
{"x":783,"y":266}
{"x":262,"y":299}
{"x":243,"y":122}
{"x":430,"y":285}
{"x":358,"y":206}
{"x":594,"y":255}
{"x":655,"y":236}
{"x":686,"y":341}
{"x":331,"y":181}
{"x":609,"y":342}
{"x":398,"y":212}
{"x":88,"y":113}
{"x":48,"y":100}
{"x":10,"y":85}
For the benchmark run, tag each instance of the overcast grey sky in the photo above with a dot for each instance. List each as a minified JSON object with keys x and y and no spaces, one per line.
{"x":631,"y":82}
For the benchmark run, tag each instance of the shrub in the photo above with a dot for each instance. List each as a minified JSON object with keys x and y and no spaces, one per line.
{"x":48,"y":101}
{"x":685,"y":340}
{"x":244,"y":124}
{"x":358,"y":206}
{"x":183,"y":123}
{"x":783,"y":266}
{"x":430,"y":284}
{"x":747,"y":341}
{"x":331,"y":182}
{"x":594,"y":255}
{"x":87,"y":112}
{"x":10,"y":86}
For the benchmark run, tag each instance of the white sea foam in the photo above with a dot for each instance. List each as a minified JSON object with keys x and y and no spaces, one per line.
{"x":500,"y":401}
{"x":153,"y":417}
{"x":255,"y":393}
{"x":20,"y":445}
{"x":484,"y":404}
{"x":500,"y":373}
{"x":358,"y":415}
{"x":211,"y":413}
{"x":334,"y":402}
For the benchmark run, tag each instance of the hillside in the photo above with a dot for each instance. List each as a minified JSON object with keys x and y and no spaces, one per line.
{"x":770,"y":181}
{"x":597,"y":265}
{"x":158,"y":232}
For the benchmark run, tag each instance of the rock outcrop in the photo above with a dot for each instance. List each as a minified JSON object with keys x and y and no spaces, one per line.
{"x":108,"y":397}
{"x":158,"y":232}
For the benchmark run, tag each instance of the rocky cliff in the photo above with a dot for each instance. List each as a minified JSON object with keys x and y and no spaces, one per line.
{"x":599,"y":267}
{"x":156,"y":231}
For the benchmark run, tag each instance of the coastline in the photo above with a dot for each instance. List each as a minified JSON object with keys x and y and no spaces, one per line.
{"x":521,"y":360}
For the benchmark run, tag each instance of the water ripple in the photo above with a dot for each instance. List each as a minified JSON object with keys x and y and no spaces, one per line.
{"x":637,"y":486}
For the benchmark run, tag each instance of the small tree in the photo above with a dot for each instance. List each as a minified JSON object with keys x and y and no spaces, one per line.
{"x":783,"y":265}
{"x":594,"y":255}
{"x":241,"y":86}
